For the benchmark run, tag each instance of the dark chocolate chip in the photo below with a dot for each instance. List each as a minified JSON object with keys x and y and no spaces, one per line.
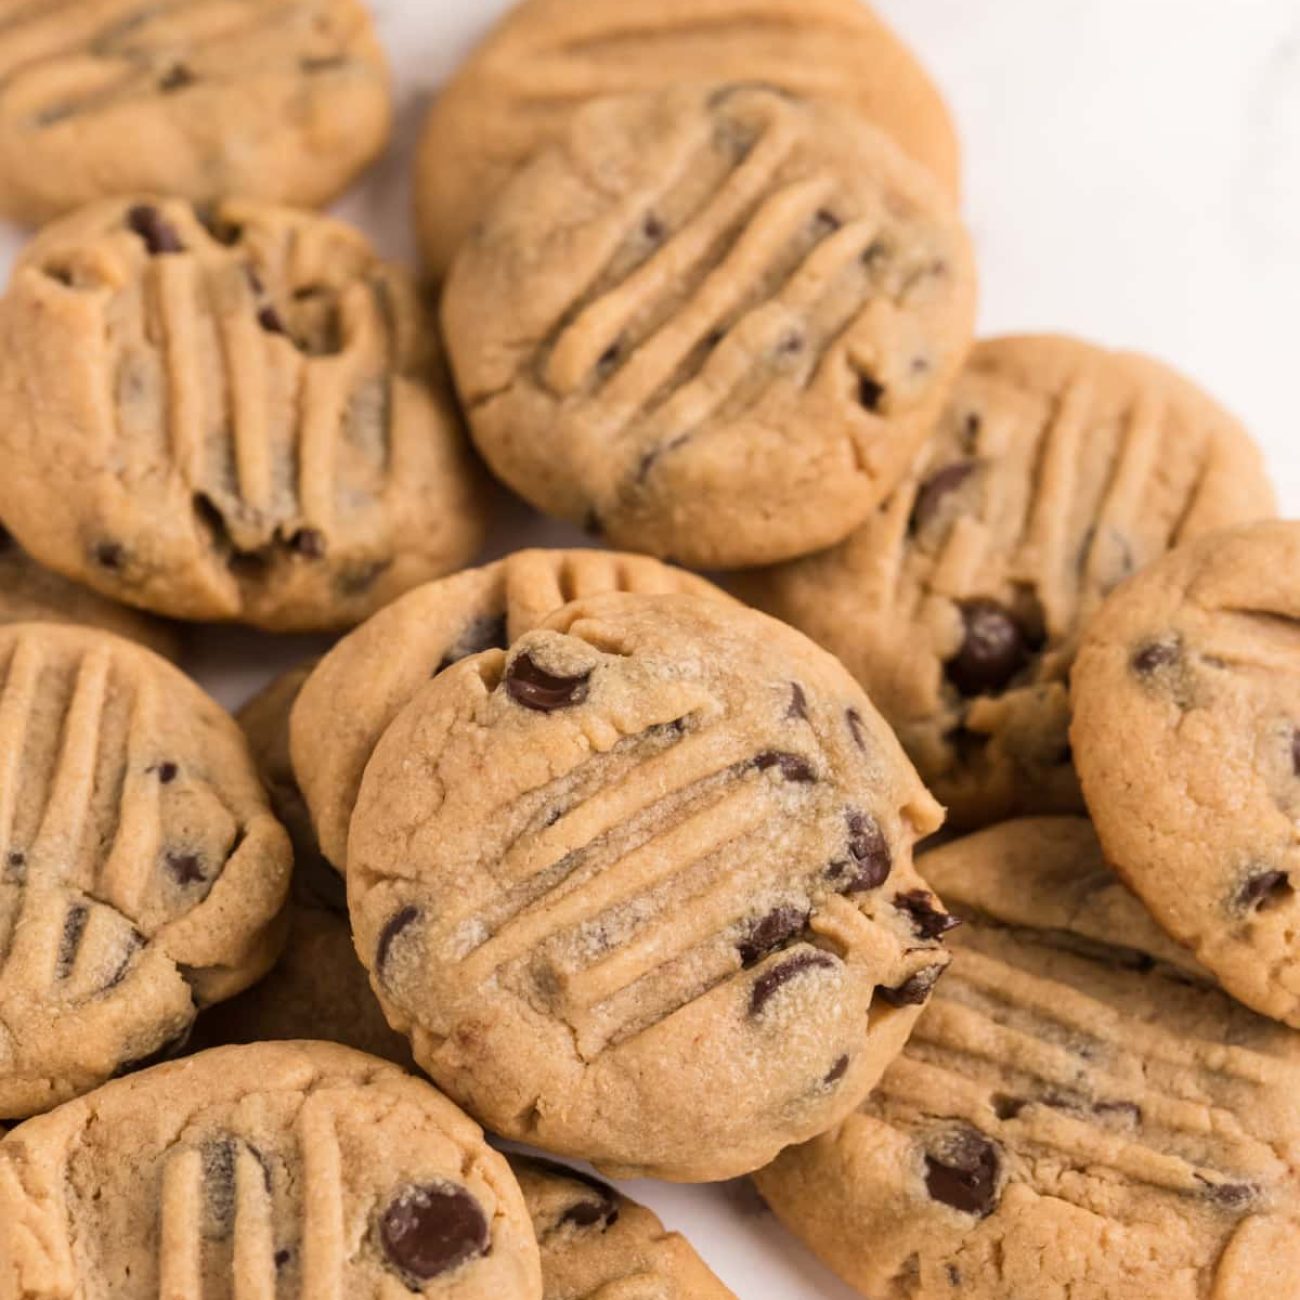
{"x":994,"y":649}
{"x":936,"y":489}
{"x":870,"y":859}
{"x":271,"y":320}
{"x":1008,"y":1108}
{"x":871,"y":392}
{"x":966,"y":1177}
{"x":175,"y":78}
{"x":430,"y":1230}
{"x":399,"y":921}
{"x":912,"y":992}
{"x":1264,"y":889}
{"x":167,"y":773}
{"x":857,"y":727}
{"x":282,"y":1257}
{"x":793,"y":767}
{"x":110,"y":555}
{"x":486,"y":633}
{"x":799,"y":703}
{"x":534,"y":688}
{"x":1155,"y":655}
{"x":837,"y":1071}
{"x":771,"y":932}
{"x":74,"y":926}
{"x":590,"y":1213}
{"x":159,"y":236}
{"x":309,"y":543}
{"x":767,"y":984}
{"x":928,"y":920}
{"x":186,"y":868}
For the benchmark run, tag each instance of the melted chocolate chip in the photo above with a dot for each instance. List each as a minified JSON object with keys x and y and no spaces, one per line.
{"x":799,"y":704}
{"x":309,"y":543}
{"x":399,"y":921}
{"x":186,"y":868}
{"x":912,"y":992}
{"x":1151,"y":658}
{"x":430,"y":1230}
{"x":282,"y":1257}
{"x":936,"y":489}
{"x":110,"y":555}
{"x":271,"y":320}
{"x":773,"y":931}
{"x":1263,"y":890}
{"x":870,"y":392}
{"x":793,"y":767}
{"x":994,"y":649}
{"x":159,"y":236}
{"x":870,"y":857}
{"x":837,"y":1071}
{"x":167,"y":773}
{"x":534,"y":688}
{"x":767,"y":984}
{"x":928,"y":921}
{"x":857,"y":728}
{"x":966,"y":1177}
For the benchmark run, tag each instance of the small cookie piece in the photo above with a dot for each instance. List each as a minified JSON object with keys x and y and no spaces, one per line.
{"x":518,"y":91}
{"x":294,"y":1169}
{"x":280,"y":100}
{"x":31,"y":594}
{"x":641,"y":890}
{"x":597,"y":1244}
{"x":713,"y":323}
{"x":364,"y":682}
{"x":1080,"y":1113}
{"x":1057,"y":470}
{"x":1186,"y":733}
{"x":234,"y":415}
{"x":141,"y":873}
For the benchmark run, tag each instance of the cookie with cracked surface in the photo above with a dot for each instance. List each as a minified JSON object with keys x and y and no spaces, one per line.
{"x":713,"y":323}
{"x":362,"y":684}
{"x":280,"y":100}
{"x":1057,"y":469}
{"x":142,"y":875}
{"x":234,"y":415}
{"x":518,"y":91}
{"x":298,"y":1169}
{"x":638,"y":889}
{"x":596,"y":1244}
{"x":1186,"y":733}
{"x":32,"y":594}
{"x":1080,"y":1112}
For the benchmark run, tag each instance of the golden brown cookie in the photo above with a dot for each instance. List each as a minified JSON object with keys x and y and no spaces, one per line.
{"x":1057,"y":470}
{"x":237,"y":414}
{"x":714,"y":323}
{"x":362,"y":684}
{"x":281,"y":100}
{"x":142,"y":875}
{"x":1080,"y":1112}
{"x":641,"y":889}
{"x":519,"y":89}
{"x":1186,"y":734}
{"x":278,"y":1169}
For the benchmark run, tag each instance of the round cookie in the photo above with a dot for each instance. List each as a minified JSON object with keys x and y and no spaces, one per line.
{"x":1186,"y":733}
{"x":1057,"y":469}
{"x":1080,"y":1113}
{"x":641,"y":890}
{"x":298,"y":1169}
{"x":230,"y":415}
{"x":31,"y":594}
{"x":518,"y":91}
{"x":713,"y":323}
{"x":598,"y":1245}
{"x":280,"y":100}
{"x":141,"y":873}
{"x":362,"y":684}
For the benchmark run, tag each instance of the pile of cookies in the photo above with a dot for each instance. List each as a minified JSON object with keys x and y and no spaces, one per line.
{"x":622,"y":864}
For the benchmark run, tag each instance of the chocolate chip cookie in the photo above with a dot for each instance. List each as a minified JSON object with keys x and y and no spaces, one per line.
{"x":1187,"y":738}
{"x":641,"y":889}
{"x":713,"y":323}
{"x":228,"y":414}
{"x":1057,"y":470}
{"x":367,"y":678}
{"x":518,"y":91}
{"x":1080,"y":1113}
{"x":141,"y":873}
{"x":285,"y":1169}
{"x":598,"y":1245}
{"x":282,"y":100}
{"x":31,"y":594}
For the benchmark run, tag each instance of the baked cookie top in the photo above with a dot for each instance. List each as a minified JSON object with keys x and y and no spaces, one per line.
{"x":365,"y":680}
{"x":1187,"y":739}
{"x":228,"y":414}
{"x":713,"y":323}
{"x":141,"y":872}
{"x":641,"y":888}
{"x":517,"y":92}
{"x":1080,"y":1111}
{"x":276,"y":1169}
{"x":1056,"y":470}
{"x":280,"y":100}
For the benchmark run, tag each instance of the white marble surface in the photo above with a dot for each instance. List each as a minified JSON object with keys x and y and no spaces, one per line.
{"x":1133,"y":175}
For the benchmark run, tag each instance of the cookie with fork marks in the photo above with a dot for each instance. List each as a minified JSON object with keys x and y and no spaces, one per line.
{"x":1081,"y":1112}
{"x":712,"y":323}
{"x":641,"y":888}
{"x":278,"y":1169}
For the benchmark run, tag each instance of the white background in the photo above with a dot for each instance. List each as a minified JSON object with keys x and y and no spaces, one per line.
{"x":1132,"y":176}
